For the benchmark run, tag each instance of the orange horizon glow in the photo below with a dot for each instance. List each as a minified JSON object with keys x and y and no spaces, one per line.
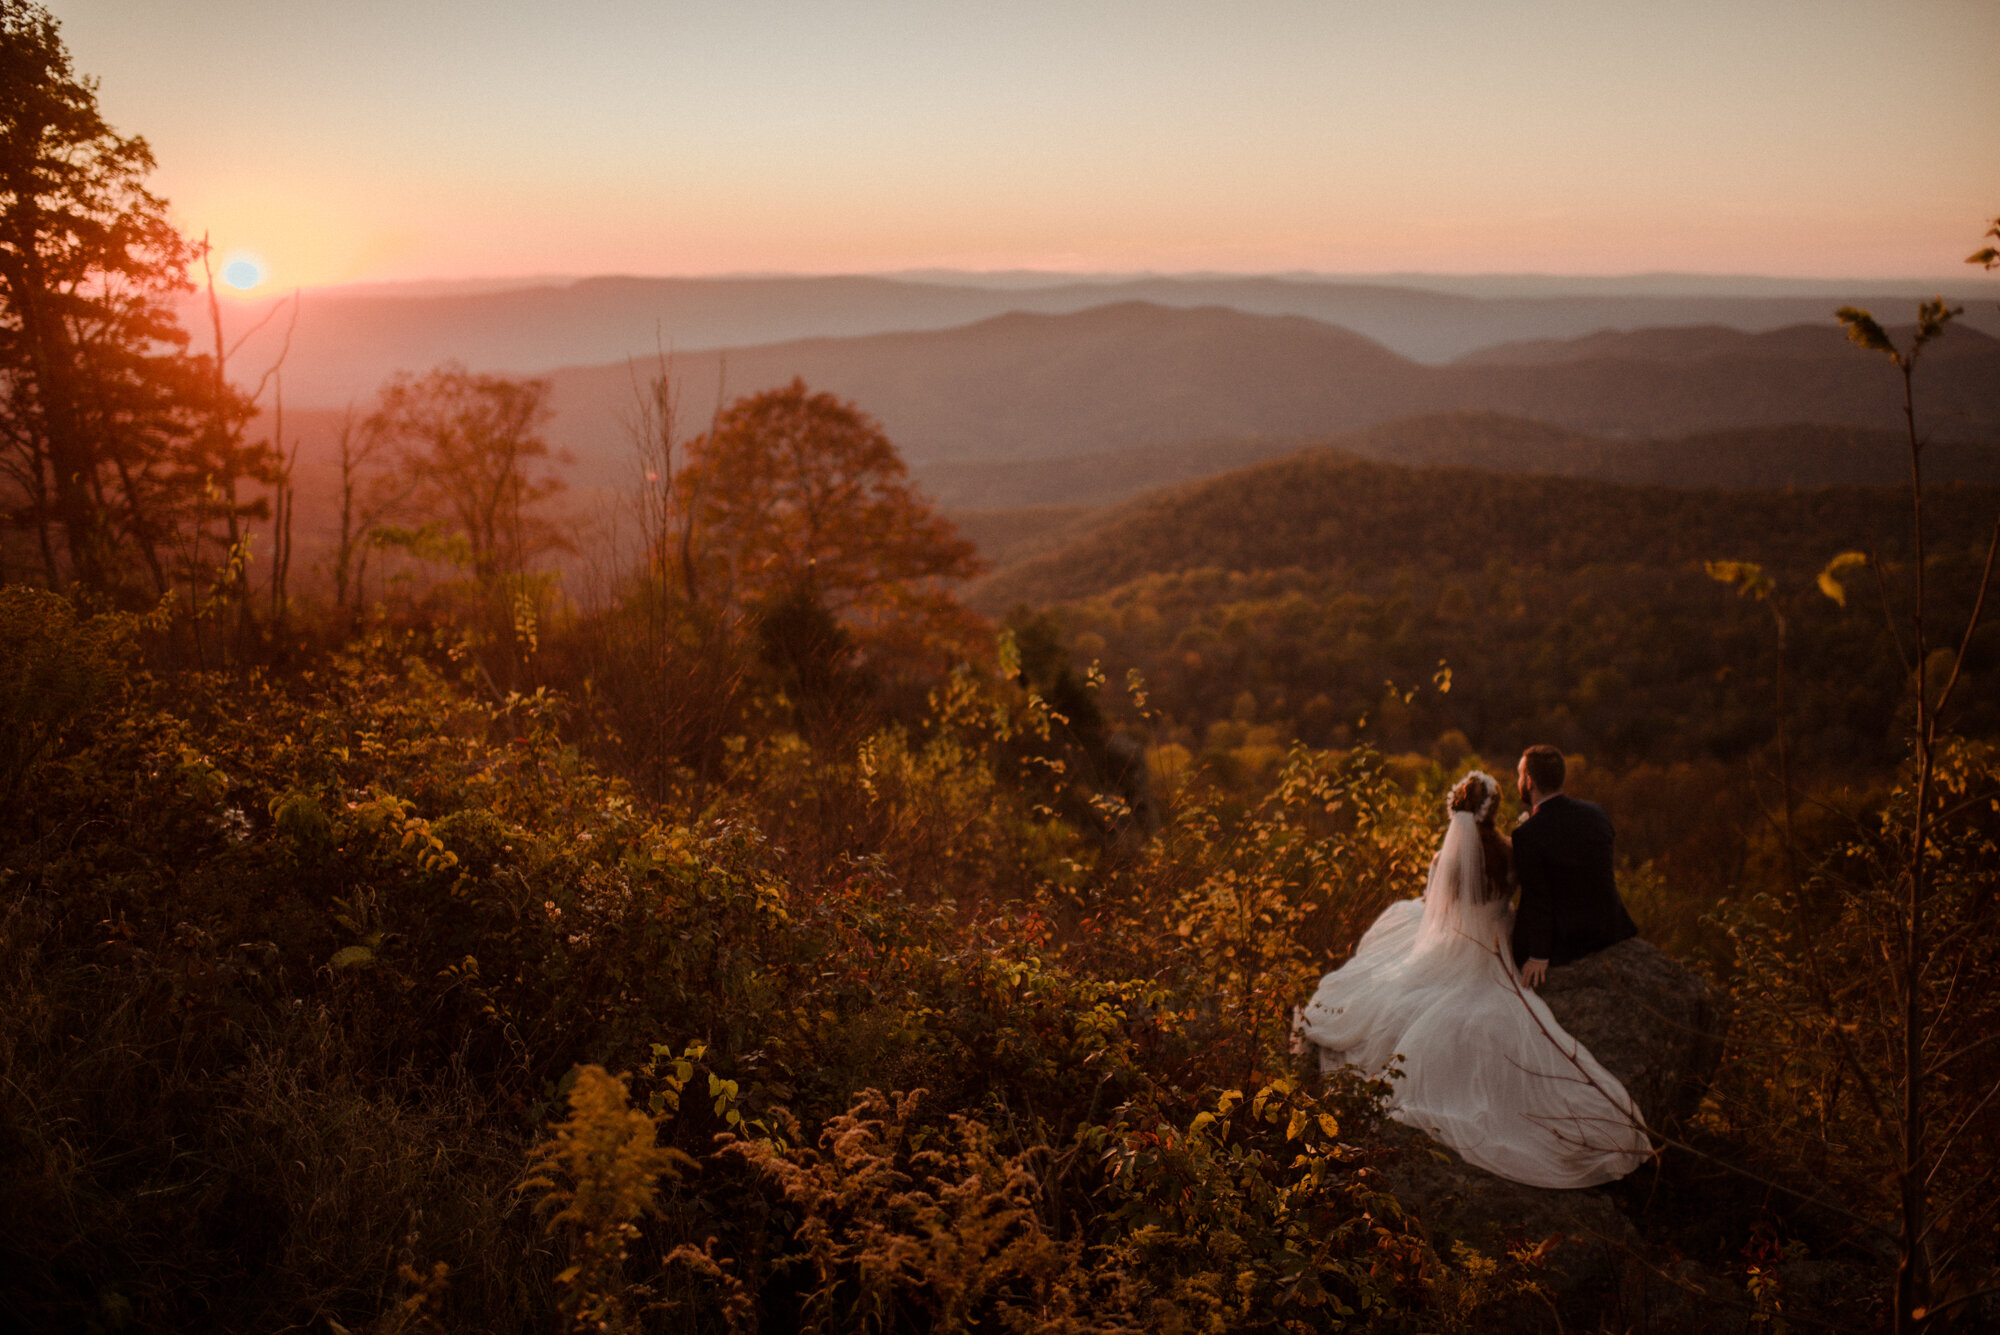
{"x":289,"y":261}
{"x":395,"y":143}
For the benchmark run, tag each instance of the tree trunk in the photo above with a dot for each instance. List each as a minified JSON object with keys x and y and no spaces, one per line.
{"x":71,"y":461}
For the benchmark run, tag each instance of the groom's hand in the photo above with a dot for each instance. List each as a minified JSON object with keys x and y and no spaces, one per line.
{"x":1534,"y":972}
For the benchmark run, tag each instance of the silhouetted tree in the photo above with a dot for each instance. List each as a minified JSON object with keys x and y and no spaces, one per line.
{"x":124,"y":448}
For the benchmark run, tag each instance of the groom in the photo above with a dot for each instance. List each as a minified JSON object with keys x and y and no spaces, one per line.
{"x":1562,"y":858}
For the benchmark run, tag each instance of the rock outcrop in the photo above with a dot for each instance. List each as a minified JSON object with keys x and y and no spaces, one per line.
{"x":1654,"y":1023}
{"x":1656,"y":1026}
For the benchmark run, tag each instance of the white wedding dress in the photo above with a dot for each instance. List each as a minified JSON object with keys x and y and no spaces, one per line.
{"x":1485,"y":1067}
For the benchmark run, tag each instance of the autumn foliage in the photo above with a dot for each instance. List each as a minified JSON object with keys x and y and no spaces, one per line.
{"x":757,"y":939}
{"x":795,"y":492}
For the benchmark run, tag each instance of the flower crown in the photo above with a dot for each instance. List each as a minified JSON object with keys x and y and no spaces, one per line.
{"x":1488,"y":783}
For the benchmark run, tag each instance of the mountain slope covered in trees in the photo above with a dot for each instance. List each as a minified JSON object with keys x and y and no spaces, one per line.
{"x":1797,"y":454}
{"x":1323,"y":510}
{"x":1321,"y":596}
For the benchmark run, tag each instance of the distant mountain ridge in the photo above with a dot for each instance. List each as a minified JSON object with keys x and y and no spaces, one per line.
{"x":1025,"y":386}
{"x":980,"y":410}
{"x":1657,"y":283}
{"x":1672,"y":343}
{"x":347,"y":341}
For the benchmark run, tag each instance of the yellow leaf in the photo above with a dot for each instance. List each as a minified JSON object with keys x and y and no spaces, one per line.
{"x":1328,"y":1125}
{"x":1748,"y":577}
{"x":1296,"y":1125}
{"x":1009,"y":655}
{"x":352,"y":957}
{"x":1863,"y":330}
{"x":1829,"y":578}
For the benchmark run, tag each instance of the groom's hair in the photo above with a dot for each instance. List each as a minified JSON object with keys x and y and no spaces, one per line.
{"x":1545,"y":767}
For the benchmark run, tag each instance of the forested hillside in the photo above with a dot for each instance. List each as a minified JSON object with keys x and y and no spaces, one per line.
{"x":1798,"y":454}
{"x":1314,"y":590}
{"x":1320,"y":510}
{"x":1792,"y":454}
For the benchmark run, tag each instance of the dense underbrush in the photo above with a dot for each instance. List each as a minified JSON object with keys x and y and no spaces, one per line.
{"x":300,"y":971}
{"x":358,"y":998}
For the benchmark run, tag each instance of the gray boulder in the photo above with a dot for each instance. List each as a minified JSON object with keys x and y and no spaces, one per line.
{"x":1456,"y":1202}
{"x":1655,"y":1025}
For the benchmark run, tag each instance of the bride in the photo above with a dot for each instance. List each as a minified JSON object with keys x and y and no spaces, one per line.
{"x":1485,"y":1068}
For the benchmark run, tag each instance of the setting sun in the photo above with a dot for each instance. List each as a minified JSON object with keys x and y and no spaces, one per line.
{"x":243,"y":273}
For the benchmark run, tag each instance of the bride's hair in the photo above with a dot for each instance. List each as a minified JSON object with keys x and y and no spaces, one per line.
{"x":1478,"y":793}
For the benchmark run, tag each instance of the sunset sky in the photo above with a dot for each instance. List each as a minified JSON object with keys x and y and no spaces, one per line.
{"x":419,"y":140}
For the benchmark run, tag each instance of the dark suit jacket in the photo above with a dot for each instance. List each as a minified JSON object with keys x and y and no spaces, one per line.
{"x":1569,"y":897}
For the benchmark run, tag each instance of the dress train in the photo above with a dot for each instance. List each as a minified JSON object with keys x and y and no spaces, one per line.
{"x":1483,"y":1067}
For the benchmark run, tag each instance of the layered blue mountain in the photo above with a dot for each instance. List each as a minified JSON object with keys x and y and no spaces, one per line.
{"x":1023,"y":386}
{"x":347,"y":340}
{"x":1026,"y":409}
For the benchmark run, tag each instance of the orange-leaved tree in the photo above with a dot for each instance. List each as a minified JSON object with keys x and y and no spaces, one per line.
{"x":798,"y":496}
